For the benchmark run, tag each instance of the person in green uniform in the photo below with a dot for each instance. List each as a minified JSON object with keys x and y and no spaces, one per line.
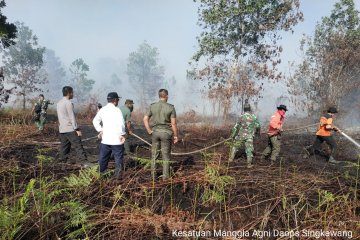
{"x":39,"y":112}
{"x":163,"y":131}
{"x":126,"y":111}
{"x":243,"y":133}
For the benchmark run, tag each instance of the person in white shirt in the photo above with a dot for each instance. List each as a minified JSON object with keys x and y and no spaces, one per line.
{"x":111,"y":132}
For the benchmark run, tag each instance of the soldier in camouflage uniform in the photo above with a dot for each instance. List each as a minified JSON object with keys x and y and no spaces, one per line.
{"x":163,"y":131}
{"x":243,"y":133}
{"x":39,"y":112}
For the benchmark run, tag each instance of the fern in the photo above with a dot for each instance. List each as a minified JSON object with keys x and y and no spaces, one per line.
{"x":12,"y":218}
{"x":78,"y":218}
{"x":24,"y":199}
{"x":84,"y":179}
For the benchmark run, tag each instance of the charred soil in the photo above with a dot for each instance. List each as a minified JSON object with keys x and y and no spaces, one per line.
{"x":206,"y":192}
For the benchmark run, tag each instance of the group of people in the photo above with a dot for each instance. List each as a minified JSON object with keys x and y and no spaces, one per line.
{"x":114,"y":127}
{"x":248,"y":125}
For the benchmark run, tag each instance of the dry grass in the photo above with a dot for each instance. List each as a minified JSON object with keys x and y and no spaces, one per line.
{"x":204,"y":194}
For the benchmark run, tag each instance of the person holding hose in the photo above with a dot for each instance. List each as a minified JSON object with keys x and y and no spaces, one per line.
{"x":324,"y":134}
{"x":164,"y":130}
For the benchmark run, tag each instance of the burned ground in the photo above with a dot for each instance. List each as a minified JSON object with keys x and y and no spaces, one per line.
{"x":206,"y":192}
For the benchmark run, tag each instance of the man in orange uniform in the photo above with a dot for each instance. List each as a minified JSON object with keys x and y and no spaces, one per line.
{"x":324,"y":134}
{"x":274,"y":134}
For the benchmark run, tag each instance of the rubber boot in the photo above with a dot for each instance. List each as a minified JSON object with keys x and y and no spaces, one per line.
{"x":249,"y":163}
{"x":166,"y":170}
{"x":332,"y":160}
{"x":118,"y":172}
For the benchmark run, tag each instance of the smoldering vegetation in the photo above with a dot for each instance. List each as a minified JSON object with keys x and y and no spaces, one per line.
{"x":44,"y":199}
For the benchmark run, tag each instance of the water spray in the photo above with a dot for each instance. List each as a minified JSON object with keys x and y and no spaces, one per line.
{"x":350,"y":139}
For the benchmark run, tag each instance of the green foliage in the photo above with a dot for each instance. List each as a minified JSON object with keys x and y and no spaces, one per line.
{"x":243,"y":28}
{"x":82,"y":84}
{"x":41,"y":157}
{"x":239,"y":44}
{"x":84,"y":179}
{"x":23,"y":62}
{"x":215,"y":191}
{"x":12,"y":217}
{"x":50,"y":204}
{"x":325,"y":198}
{"x":330,"y":66}
{"x":7,"y":30}
{"x":78,"y":219}
{"x":145,"y":75}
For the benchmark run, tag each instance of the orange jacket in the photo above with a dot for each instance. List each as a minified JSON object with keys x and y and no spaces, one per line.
{"x":325,"y":121}
{"x":276,"y":123}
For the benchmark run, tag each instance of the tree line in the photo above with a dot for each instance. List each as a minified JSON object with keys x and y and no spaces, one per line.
{"x":238,"y":51}
{"x":31,"y":69}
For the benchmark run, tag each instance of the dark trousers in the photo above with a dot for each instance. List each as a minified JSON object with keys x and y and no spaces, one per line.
{"x":329,"y":140}
{"x":105,"y":153}
{"x":161,"y":141}
{"x":68,"y":139}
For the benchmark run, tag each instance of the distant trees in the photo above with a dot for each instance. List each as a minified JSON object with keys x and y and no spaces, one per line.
{"x":145,"y":75}
{"x":239,"y":43}
{"x":330,"y":68}
{"x":7,"y":30}
{"x":7,"y":36}
{"x":228,"y":82}
{"x":79,"y":79}
{"x":23,"y":62}
{"x":55,"y":74}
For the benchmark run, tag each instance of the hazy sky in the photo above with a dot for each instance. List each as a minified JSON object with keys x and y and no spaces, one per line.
{"x":106,"y":31}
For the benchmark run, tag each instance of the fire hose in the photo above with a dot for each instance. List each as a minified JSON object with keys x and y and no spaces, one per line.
{"x":219,"y":143}
{"x":187,"y":153}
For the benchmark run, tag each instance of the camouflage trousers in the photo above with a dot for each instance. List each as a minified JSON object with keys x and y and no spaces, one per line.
{"x":249,"y":149}
{"x":40,"y":120}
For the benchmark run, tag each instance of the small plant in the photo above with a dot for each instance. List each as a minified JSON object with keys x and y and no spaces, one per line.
{"x":84,"y":179}
{"x":325,"y":198}
{"x":215,"y":191}
{"x":12,"y":217}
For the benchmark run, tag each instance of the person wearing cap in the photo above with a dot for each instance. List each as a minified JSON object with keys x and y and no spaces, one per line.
{"x":126,"y":111}
{"x":274,"y":134}
{"x":164,"y":129}
{"x":246,"y":104}
{"x":112,"y":133}
{"x":243,"y":133}
{"x":98,"y":107}
{"x":70,"y":133}
{"x":324,"y":134}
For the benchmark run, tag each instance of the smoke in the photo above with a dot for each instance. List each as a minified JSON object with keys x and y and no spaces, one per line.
{"x":349,"y":110}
